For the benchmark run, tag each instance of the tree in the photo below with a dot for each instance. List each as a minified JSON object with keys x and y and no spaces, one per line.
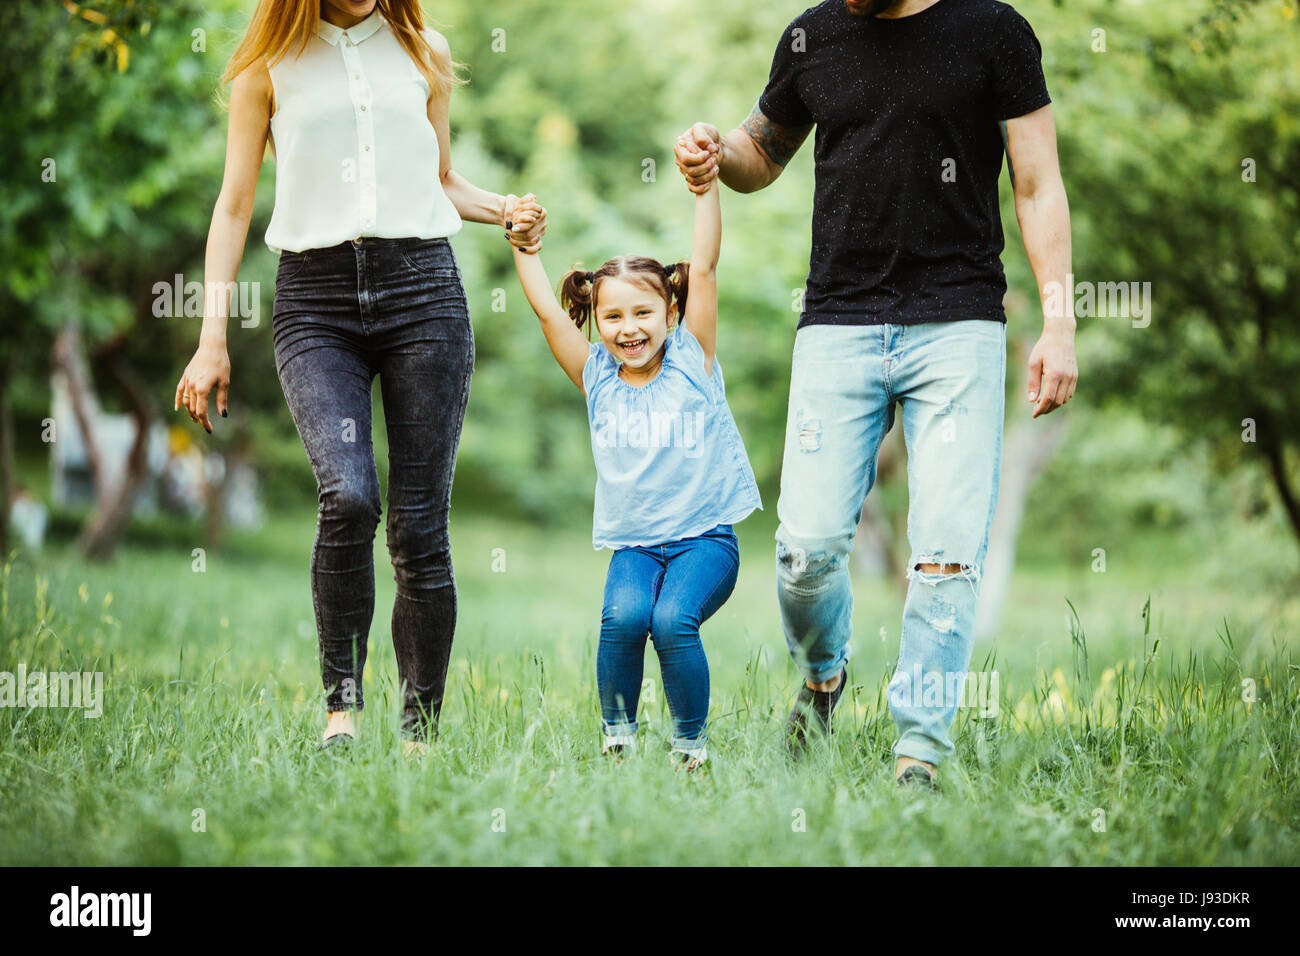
{"x":1195,"y":188}
{"x":119,"y":155}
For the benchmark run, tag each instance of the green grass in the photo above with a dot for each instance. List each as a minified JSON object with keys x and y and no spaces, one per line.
{"x":211,"y":704}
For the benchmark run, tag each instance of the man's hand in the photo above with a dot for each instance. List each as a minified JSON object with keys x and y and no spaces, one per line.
{"x":1053,"y":371}
{"x":526,"y":229}
{"x":697,"y":152}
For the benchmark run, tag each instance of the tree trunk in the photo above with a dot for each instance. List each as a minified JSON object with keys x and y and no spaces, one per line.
{"x":1027,"y":450}
{"x":113,"y":511}
{"x":69,"y":360}
{"x":215,"y":501}
{"x":1276,"y":456}
{"x":113,"y":505}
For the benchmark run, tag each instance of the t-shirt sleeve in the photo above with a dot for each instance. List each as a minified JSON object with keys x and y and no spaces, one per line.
{"x":1018,"y":83}
{"x":599,"y":364}
{"x":685,"y":352}
{"x":781,"y":102}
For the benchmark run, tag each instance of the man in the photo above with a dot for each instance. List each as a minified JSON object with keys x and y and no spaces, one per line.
{"x":914,"y":102}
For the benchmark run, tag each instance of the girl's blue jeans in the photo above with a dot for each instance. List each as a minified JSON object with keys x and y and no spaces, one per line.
{"x":664,"y":592}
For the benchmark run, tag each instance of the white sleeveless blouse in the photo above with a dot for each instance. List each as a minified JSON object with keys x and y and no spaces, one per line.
{"x":355,"y":152}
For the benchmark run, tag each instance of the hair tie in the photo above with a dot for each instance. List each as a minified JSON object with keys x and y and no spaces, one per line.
{"x":669,"y":270}
{"x":589,"y":276}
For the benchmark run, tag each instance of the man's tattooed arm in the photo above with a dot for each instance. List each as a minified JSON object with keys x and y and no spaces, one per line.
{"x":778,"y":143}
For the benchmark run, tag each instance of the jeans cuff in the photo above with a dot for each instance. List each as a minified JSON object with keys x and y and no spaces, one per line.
{"x":623,"y":728}
{"x":919,"y":748}
{"x":691,"y":745}
{"x":825,"y":673}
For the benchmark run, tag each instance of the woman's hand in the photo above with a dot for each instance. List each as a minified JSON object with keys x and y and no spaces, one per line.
{"x":524,"y":220}
{"x":209,"y":368}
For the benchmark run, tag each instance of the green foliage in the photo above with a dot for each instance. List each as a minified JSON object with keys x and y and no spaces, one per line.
{"x":572,"y":107}
{"x":1181,"y":150}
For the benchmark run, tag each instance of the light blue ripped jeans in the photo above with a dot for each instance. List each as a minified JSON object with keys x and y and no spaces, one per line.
{"x":949,"y":378}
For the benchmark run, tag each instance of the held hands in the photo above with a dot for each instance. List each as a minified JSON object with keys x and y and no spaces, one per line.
{"x":524,"y":220}
{"x":1053,"y":371}
{"x":698,"y":151}
{"x":209,"y":368}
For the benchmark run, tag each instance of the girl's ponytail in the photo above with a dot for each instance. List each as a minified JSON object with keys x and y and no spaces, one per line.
{"x":678,"y":276}
{"x":576,"y":291}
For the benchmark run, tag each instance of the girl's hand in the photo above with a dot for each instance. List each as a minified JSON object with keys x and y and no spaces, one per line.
{"x":527,"y":215}
{"x":698,"y":154}
{"x":209,"y":368}
{"x":525,"y":222}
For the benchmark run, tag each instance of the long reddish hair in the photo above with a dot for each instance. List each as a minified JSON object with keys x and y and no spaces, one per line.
{"x":283,"y":26}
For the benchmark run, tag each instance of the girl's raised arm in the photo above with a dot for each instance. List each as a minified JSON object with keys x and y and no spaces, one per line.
{"x":702,"y":298}
{"x":568,"y":345}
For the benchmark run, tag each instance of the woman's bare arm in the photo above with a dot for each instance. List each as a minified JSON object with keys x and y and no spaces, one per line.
{"x":249,"y":126}
{"x":473,"y":204}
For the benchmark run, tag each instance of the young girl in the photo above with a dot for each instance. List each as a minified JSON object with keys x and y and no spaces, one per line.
{"x":672,"y":473}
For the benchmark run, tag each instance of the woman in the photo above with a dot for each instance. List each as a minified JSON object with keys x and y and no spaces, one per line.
{"x":354,"y":96}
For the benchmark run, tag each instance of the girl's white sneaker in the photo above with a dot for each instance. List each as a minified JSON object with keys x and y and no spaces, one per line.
{"x":689,"y":758}
{"x":614,"y":744}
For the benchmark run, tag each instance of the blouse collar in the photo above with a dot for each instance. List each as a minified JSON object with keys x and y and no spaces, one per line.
{"x":355,"y":33}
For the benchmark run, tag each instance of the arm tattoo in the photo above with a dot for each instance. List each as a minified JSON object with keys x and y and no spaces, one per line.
{"x":779,"y":143}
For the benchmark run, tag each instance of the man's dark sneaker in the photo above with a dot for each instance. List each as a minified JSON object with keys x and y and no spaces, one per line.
{"x":812,"y":711}
{"x":917,"y":777}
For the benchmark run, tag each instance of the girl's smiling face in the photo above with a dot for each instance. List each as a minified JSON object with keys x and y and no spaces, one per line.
{"x":633,"y":322}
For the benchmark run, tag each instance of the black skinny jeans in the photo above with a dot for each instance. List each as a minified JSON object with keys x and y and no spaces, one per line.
{"x":395,"y":308}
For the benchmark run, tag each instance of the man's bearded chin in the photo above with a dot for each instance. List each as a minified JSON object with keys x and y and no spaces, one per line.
{"x":871,"y":8}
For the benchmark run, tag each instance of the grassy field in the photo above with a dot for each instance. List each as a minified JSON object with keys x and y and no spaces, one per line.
{"x":1128,"y":743}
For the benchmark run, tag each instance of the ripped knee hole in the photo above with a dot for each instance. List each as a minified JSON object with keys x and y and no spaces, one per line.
{"x":943,"y":568}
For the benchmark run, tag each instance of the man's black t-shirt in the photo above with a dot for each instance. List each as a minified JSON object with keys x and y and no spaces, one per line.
{"x":908,"y":152}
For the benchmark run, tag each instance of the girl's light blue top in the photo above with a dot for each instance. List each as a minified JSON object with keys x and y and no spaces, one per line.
{"x":669,"y":460}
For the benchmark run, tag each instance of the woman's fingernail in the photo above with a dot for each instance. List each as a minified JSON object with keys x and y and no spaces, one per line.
{"x":223,"y":413}
{"x":509,"y":225}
